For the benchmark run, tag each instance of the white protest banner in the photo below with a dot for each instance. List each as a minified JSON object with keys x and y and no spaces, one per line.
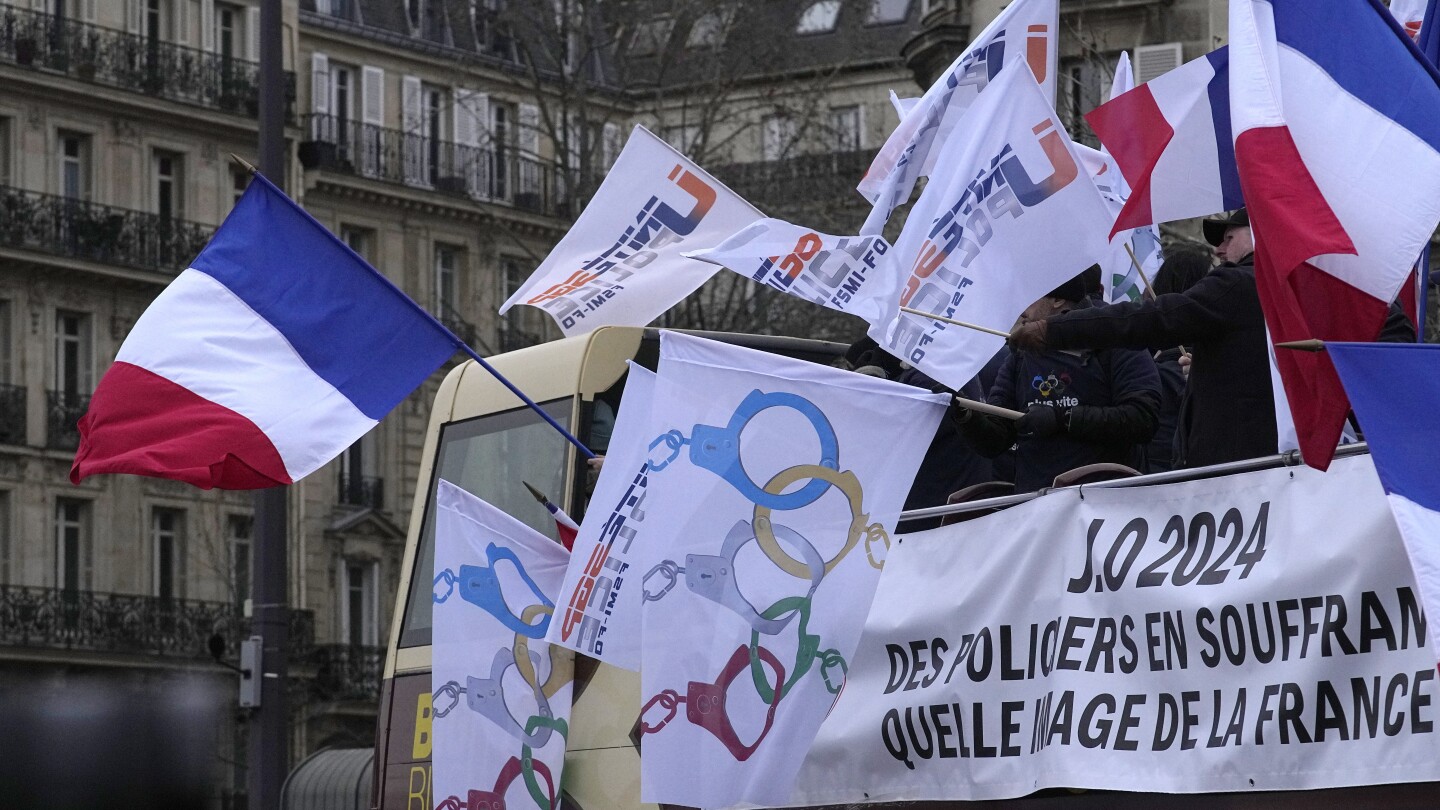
{"x":779,"y":484}
{"x":1251,"y":632}
{"x":621,"y":264}
{"x":844,"y":273}
{"x":599,"y":613}
{"x":1024,"y":33}
{"x":1007,"y":217}
{"x":496,"y":735}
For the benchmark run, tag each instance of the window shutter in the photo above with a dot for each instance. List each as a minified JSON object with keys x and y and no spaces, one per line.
{"x":134,"y":16}
{"x":372,"y":116}
{"x":413,"y":135}
{"x":471,"y":110}
{"x":207,"y":25}
{"x":182,"y":21}
{"x":89,"y":11}
{"x":529,"y":134}
{"x":320,"y":124}
{"x":252,"y":33}
{"x":1155,"y":60}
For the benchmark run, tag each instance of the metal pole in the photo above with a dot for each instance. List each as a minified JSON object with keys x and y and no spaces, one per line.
{"x":269,"y":753}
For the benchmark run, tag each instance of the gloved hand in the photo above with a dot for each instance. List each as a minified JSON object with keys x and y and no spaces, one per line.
{"x":1042,"y":421}
{"x":1028,"y":336}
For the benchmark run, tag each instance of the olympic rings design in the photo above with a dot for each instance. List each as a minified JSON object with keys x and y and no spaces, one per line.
{"x":848,"y":484}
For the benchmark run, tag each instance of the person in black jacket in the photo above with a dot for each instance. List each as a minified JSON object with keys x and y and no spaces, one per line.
{"x":1183,"y":267}
{"x":1080,"y":407}
{"x":1230,"y":409}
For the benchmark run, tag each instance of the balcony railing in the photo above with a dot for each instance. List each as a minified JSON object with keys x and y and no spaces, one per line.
{"x":503,"y":176}
{"x":62,"y":431}
{"x":801,"y":180}
{"x":358,"y":490}
{"x":12,"y":414}
{"x":347,"y":672}
{"x":100,"y":233}
{"x":133,"y":62}
{"x":127,"y":624}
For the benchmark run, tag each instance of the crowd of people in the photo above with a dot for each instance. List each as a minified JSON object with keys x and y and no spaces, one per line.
{"x":1178,"y":379}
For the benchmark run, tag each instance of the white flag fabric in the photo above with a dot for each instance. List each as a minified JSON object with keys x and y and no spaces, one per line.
{"x":501,"y":695}
{"x":1007,"y":216}
{"x":844,"y":273}
{"x":1024,"y":33}
{"x":1119,"y":273}
{"x":599,"y":613}
{"x":902,"y":106}
{"x":778,"y":486}
{"x":621,"y":264}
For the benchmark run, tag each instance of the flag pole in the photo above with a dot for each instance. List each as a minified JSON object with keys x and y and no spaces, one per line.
{"x":1311,"y":345}
{"x":1422,"y":292}
{"x":985,"y":407}
{"x":936,"y":317}
{"x":1139,"y":269}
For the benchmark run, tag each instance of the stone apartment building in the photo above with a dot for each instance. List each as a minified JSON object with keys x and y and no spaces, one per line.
{"x":449,"y":142}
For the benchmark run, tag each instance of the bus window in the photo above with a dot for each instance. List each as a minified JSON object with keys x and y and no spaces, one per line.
{"x":490,"y":456}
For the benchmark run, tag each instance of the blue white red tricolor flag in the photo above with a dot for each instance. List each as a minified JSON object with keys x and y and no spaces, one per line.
{"x":565,"y":525}
{"x":1171,"y":139}
{"x":1337,"y":139}
{"x":1136,"y":251}
{"x":1393,"y":388}
{"x":276,"y":350}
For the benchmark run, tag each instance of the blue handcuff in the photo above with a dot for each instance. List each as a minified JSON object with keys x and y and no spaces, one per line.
{"x":717,"y":449}
{"x":481,"y":587}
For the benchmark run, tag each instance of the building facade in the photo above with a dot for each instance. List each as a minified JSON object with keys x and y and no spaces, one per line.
{"x":450,"y":143}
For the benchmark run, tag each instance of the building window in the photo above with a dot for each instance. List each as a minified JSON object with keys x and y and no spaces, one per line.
{"x":74,"y":362}
{"x":651,"y":36}
{"x":776,"y":136}
{"x":6,"y":344}
{"x":845,"y":126}
{"x":72,"y":544}
{"x":819,"y":17}
{"x":358,"y":619}
{"x":360,"y":240}
{"x":433,"y":129}
{"x":227,"y":30}
{"x":709,"y":29}
{"x":343,"y":107}
{"x":5,"y":546}
{"x":684,"y":137}
{"x":887,"y":12}
{"x":167,"y":543}
{"x":169,"y":184}
{"x":502,"y":139}
{"x":74,"y":149}
{"x":6,"y":127}
{"x":239,"y":528}
{"x":447,"y":262}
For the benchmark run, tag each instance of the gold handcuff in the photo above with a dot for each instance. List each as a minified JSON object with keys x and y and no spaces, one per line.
{"x":562,"y":670}
{"x":848,"y":484}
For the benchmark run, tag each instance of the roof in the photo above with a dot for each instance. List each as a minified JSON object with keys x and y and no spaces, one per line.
{"x":330,"y":779}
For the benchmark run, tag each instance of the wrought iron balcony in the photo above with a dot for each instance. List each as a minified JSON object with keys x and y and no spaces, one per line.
{"x":411,"y":159}
{"x":133,"y":62}
{"x":346,"y":672}
{"x":463,"y":329}
{"x":55,"y":618}
{"x":62,"y":431}
{"x":12,"y":414}
{"x":513,"y":337}
{"x":357,"y":490}
{"x":799,"y":180}
{"x":101,"y":233}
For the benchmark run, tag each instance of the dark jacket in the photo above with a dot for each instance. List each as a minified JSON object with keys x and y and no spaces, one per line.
{"x":949,"y":465}
{"x":1110,"y":398}
{"x":1160,"y":453}
{"x":1229,"y":408}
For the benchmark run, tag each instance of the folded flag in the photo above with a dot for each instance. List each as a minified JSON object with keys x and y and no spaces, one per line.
{"x":1171,"y":139}
{"x":276,"y":350}
{"x":564,"y":524}
{"x":621,"y":263}
{"x":1410,"y":14}
{"x":1337,"y":140}
{"x":1026,"y":32}
{"x":1393,"y":388}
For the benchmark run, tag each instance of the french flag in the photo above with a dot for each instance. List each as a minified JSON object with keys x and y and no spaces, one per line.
{"x":1337,"y":139}
{"x":1394,"y":388}
{"x":1171,"y":139}
{"x":276,"y":350}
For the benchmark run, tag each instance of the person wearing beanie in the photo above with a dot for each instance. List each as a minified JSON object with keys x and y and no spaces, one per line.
{"x":1081,"y":407}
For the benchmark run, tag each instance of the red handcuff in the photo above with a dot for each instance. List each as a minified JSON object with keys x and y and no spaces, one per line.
{"x":705,"y":704}
{"x":495,"y":799}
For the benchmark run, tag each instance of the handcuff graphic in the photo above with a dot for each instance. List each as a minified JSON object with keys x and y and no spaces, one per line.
{"x":480,"y":586}
{"x":705,"y":704}
{"x":714,"y":576}
{"x":486,"y":697}
{"x":494,"y":799}
{"x":717,"y":449}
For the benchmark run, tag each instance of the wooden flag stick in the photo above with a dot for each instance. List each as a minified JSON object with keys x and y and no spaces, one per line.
{"x":1139,"y":269}
{"x":985,"y":407}
{"x":1311,"y":345}
{"x":976,"y":327}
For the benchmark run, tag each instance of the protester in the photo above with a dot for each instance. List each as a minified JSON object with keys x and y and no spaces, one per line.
{"x":1080,"y":407}
{"x":1231,"y":407}
{"x":1184,"y":265}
